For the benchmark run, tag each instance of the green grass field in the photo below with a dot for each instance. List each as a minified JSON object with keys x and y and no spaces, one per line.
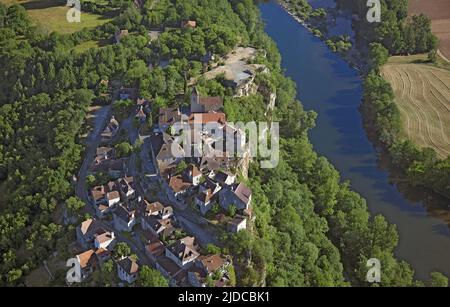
{"x":51,"y":14}
{"x":419,"y":59}
{"x":85,"y":46}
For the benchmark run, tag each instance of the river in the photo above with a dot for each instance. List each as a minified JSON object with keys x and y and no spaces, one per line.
{"x":327,"y":85}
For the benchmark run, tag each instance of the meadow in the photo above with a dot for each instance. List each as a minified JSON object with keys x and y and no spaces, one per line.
{"x":51,"y":15}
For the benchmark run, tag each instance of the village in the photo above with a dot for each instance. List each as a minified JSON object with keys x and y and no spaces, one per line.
{"x":169,"y":207}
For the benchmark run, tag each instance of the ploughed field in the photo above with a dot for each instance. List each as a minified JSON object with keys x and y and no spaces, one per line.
{"x":422,"y":93}
{"x":439,"y":12}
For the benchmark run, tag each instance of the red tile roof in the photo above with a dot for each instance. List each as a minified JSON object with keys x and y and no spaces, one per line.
{"x":90,"y":226}
{"x":204,"y":118}
{"x":85,"y":258}
{"x":155,"y":248}
{"x":151,"y":208}
{"x":212,"y":262}
{"x":211,"y":102}
{"x":104,"y":237}
{"x":178,"y":184}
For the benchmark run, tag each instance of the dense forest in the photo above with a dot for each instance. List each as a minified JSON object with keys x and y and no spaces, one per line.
{"x":397,"y":34}
{"x":311,"y":229}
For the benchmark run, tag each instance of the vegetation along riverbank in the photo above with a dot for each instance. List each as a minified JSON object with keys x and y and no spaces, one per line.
{"x":396,"y":34}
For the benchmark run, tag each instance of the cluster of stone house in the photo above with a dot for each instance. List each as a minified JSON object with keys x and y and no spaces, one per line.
{"x":98,"y":244}
{"x":179,"y":259}
{"x":117,"y":193}
{"x":207,"y":177}
{"x":99,"y":251}
{"x":105,"y":162}
{"x":113,"y":196}
{"x":182,"y":263}
{"x":223,"y":190}
{"x":174,"y":260}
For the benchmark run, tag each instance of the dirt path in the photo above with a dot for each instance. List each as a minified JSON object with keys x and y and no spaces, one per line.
{"x":442,"y":56}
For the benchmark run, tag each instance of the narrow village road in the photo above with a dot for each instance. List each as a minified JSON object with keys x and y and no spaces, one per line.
{"x":92,"y":142}
{"x":188,"y":219}
{"x":148,"y":167}
{"x":102,"y":117}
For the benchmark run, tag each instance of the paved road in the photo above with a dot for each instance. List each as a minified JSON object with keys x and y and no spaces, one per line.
{"x":102,"y":117}
{"x":133,"y":136}
{"x":148,"y":167}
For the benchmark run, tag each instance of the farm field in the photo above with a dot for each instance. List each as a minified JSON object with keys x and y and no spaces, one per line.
{"x":422,"y":94}
{"x":51,"y":14}
{"x":439,"y":12}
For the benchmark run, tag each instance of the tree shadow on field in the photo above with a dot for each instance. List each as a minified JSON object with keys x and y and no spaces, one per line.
{"x":420,"y":61}
{"x":43,"y":4}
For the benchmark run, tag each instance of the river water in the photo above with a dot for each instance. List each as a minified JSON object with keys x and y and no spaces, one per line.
{"x":327,"y":85}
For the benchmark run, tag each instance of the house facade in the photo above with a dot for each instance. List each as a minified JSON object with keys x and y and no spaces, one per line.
{"x":127,"y":270}
{"x":205,"y":104}
{"x":105,"y":240}
{"x":87,"y":261}
{"x":238,"y":195}
{"x":171,"y":271}
{"x":183,"y":252}
{"x":194,"y":175}
{"x":204,"y":202}
{"x":87,"y":231}
{"x":124,"y":219}
{"x":237,"y":224}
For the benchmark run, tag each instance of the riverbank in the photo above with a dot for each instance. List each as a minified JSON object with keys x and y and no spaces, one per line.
{"x":386,"y":139}
{"x":327,"y":85}
{"x":353,"y":56}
